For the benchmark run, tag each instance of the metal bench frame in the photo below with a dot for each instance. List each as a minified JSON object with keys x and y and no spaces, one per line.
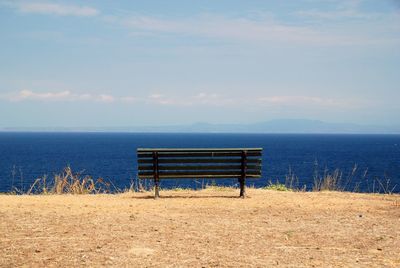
{"x":199,"y":163}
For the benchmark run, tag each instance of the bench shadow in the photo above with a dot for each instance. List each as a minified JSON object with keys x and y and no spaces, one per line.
{"x":186,"y":197}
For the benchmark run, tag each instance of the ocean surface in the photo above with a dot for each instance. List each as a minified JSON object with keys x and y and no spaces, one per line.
{"x":112,"y":156}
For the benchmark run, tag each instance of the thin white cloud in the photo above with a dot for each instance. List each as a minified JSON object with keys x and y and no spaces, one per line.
{"x":197,"y":100}
{"x":213,"y":26}
{"x":49,"y":8}
{"x":335,"y":15}
{"x":292,"y":100}
{"x":66,"y":95}
{"x":105,"y":98}
{"x":128,"y":99}
{"x":200,"y":99}
{"x":212,"y":99}
{"x":47,"y":95}
{"x":84,"y":96}
{"x":318,"y":27}
{"x":28,"y":94}
{"x":157,"y":98}
{"x":349,"y":9}
{"x":260,"y":29}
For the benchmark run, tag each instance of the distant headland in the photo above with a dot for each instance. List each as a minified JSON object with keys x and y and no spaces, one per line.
{"x":284,"y":126}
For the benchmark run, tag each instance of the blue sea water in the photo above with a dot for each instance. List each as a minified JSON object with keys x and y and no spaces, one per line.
{"x":112,"y":156}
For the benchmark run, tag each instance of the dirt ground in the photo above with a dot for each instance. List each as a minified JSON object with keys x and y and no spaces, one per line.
{"x":208,"y":228}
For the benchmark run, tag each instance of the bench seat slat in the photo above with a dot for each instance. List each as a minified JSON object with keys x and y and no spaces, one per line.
{"x":197,"y":154}
{"x":250,"y":176}
{"x":214,"y":167}
{"x":199,"y":173}
{"x":219,"y":176}
{"x":197,"y":149}
{"x":200,"y":161}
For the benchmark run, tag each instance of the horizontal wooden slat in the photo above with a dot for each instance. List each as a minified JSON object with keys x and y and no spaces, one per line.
{"x":197,"y":172}
{"x":196,"y":149}
{"x":196,"y":154}
{"x":214,"y":167}
{"x":222,"y":176}
{"x":198,"y":160}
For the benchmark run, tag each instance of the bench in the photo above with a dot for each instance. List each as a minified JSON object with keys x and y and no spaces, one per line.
{"x":196,"y":163}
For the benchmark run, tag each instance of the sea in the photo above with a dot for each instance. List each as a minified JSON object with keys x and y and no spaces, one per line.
{"x":364,"y":163}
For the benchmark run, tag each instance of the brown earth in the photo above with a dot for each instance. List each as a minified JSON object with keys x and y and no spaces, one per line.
{"x":201,"y":229}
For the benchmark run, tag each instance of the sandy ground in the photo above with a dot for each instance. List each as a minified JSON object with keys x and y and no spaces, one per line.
{"x":209,"y":228}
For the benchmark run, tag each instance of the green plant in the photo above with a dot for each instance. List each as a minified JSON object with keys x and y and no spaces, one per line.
{"x":180,"y":189}
{"x":277,"y":186}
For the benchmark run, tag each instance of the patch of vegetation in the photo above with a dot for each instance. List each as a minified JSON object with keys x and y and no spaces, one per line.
{"x":68,"y":182}
{"x":337,"y":181}
{"x":220,"y":188}
{"x":181,"y":189}
{"x":277,"y":186}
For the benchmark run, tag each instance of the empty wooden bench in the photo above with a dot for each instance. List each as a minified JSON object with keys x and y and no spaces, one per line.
{"x":205,"y":163}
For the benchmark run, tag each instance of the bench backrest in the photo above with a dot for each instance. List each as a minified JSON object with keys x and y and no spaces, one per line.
{"x":158,"y":163}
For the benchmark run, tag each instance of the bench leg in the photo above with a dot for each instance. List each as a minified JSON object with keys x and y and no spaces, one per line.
{"x":242,"y":187}
{"x":156,"y":188}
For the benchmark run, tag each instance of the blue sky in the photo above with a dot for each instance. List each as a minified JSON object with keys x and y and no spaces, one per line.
{"x":129,"y":63}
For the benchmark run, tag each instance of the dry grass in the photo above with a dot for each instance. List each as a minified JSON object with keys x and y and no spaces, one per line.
{"x":209,"y":228}
{"x":68,"y":182}
{"x":338,"y":181}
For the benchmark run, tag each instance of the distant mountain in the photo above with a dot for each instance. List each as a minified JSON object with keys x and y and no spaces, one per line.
{"x":273,"y":126}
